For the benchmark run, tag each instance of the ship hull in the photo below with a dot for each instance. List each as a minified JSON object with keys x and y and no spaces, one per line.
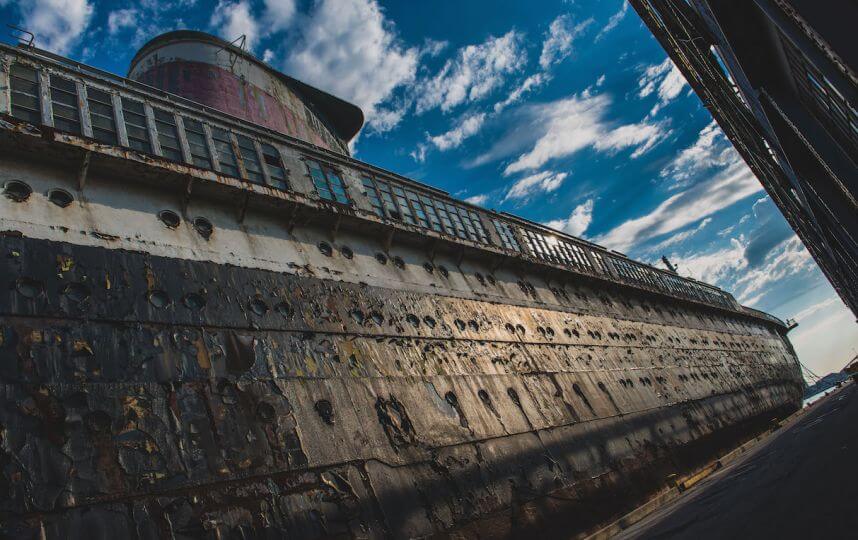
{"x":168,"y":397}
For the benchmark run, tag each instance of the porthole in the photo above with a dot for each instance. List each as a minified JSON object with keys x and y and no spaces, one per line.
{"x":491,"y":279}
{"x":325,"y":249}
{"x":17,"y":190}
{"x":376,"y":317}
{"x":429,"y":321}
{"x":194,"y":301}
{"x":28,"y":288}
{"x":429,"y":267}
{"x":76,"y":292}
{"x":381,"y":258}
{"x":60,"y":197}
{"x":451,"y":398}
{"x":398,"y":262}
{"x":480,"y":278}
{"x":443,"y":271}
{"x":510,"y":328}
{"x":413,"y":320}
{"x":265,"y":412}
{"x":357,"y":315}
{"x":325,"y":410}
{"x":484,"y":397}
{"x":513,"y":395}
{"x":460,"y":324}
{"x":347,"y":252}
{"x":159,"y":299}
{"x":203,"y":227}
{"x":258,"y":306}
{"x":169,"y":218}
{"x":284,"y":309}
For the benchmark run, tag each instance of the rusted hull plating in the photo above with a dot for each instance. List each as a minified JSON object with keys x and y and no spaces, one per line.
{"x":159,"y":397}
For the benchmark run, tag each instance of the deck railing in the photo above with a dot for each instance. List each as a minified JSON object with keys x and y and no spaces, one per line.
{"x":45,"y":90}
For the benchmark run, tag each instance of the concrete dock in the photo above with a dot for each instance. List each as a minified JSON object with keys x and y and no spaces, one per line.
{"x":801,"y":482}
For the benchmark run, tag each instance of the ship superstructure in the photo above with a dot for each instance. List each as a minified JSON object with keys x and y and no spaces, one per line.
{"x":218,"y":323}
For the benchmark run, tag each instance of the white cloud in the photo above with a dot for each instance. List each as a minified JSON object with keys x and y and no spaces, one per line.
{"x":121,"y":18}
{"x":350,"y":49}
{"x":543,"y":182}
{"x":810,"y":310}
{"x":278,"y":14}
{"x":826,"y":341}
{"x":268,"y":56}
{"x":678,"y":238}
{"x":479,"y":200}
{"x":665,"y":79}
{"x":568,"y":125}
{"x":729,"y":267}
{"x":453,"y":138}
{"x":600,"y":81}
{"x":433,"y":48}
{"x":234,"y":19}
{"x":57,"y":24}
{"x":530,"y":83}
{"x":419,"y":153}
{"x":475,"y":71}
{"x":791,"y":258}
{"x":699,"y":201}
{"x":710,"y":150}
{"x":614,"y":20}
{"x":641,"y":136}
{"x":713,"y":267}
{"x":558,"y":41}
{"x":577,"y":222}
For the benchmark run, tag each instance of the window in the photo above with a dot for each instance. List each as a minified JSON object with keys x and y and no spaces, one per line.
{"x":168,"y":135}
{"x":225,"y":153}
{"x":506,"y":234}
{"x":328,"y":183}
{"x":444,"y":217}
{"x":196,"y":136}
{"x":25,"y":94}
{"x":452,"y":223}
{"x":419,"y":212}
{"x":64,"y":104}
{"x":250,"y":159}
{"x":101,"y":115}
{"x":372,"y":194}
{"x":402,"y":203}
{"x":274,"y":165}
{"x":135,"y":125}
{"x":387,"y":201}
{"x":478,"y":226}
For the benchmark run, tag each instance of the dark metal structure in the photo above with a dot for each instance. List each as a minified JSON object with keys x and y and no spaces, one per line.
{"x":779,"y":76}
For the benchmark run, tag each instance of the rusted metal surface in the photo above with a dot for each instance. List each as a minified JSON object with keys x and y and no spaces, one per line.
{"x":250,"y":398}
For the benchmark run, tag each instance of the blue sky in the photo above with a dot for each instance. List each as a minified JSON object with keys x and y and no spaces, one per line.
{"x":567,"y":113}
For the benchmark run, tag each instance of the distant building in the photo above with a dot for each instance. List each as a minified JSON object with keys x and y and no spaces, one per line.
{"x":779,"y":77}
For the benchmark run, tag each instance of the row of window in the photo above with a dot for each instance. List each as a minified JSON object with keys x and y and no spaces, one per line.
{"x":553,"y":249}
{"x":402,"y":204}
{"x":234,"y":154}
{"x":229,"y":148}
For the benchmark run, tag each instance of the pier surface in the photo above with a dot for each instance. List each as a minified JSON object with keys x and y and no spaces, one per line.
{"x":800,"y":483}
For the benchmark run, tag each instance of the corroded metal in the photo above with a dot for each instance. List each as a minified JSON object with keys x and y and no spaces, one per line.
{"x":186,"y":354}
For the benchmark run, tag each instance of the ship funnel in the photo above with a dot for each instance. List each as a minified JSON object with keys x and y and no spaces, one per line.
{"x":223,"y":76}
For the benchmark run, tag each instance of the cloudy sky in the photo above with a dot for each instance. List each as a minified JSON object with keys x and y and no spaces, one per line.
{"x":567,"y":113}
